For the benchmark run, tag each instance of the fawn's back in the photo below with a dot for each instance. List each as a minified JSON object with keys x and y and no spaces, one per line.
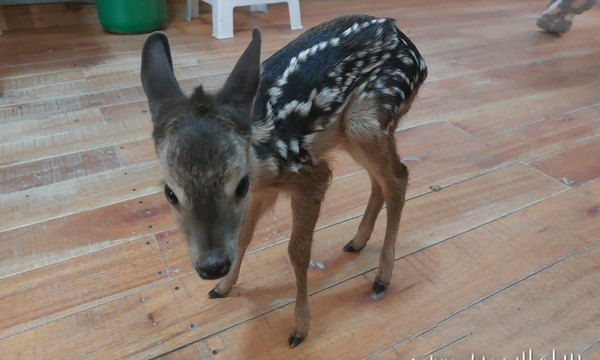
{"x":352,"y":62}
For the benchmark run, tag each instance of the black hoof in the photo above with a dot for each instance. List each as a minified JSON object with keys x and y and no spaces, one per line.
{"x":378,"y":288}
{"x":294,"y":341}
{"x":349,"y":248}
{"x":214,"y":295}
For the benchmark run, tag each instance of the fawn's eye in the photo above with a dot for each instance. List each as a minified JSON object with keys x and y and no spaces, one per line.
{"x":242,"y":188}
{"x":171,"y":198}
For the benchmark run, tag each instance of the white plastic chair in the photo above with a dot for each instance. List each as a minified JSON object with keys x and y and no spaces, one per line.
{"x":222,"y":13}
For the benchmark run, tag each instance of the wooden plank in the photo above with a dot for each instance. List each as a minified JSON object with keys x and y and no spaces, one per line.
{"x":137,"y":110}
{"x":523,"y":143}
{"x":419,"y":11}
{"x":45,"y":108}
{"x":69,"y":197}
{"x":550,"y":136}
{"x":434,"y":284}
{"x":113,"y":81}
{"x":49,"y":35}
{"x":111,"y":46}
{"x":100,"y":42}
{"x":28,"y":247}
{"x":576,"y":165}
{"x":560,"y":303}
{"x":177,"y":22}
{"x":445,"y":65}
{"x":11,"y":60}
{"x":49,"y":15}
{"x":501,"y":77}
{"x":267,"y":33}
{"x":33,"y":129}
{"x":454,"y":16}
{"x":112,"y":86}
{"x":560,"y":57}
{"x":83,"y":32}
{"x":42,"y":80}
{"x":175,"y":311}
{"x":593,"y":352}
{"x":124,"y":89}
{"x":479,"y":156}
{"x":41,"y":67}
{"x":25,"y":49}
{"x":81,"y":35}
{"x":33,"y":110}
{"x":77,"y":90}
{"x":436,"y":108}
{"x":463,"y":60}
{"x":205,"y":49}
{"x":69,"y":134}
{"x":137,"y":152}
{"x":136,"y":47}
{"x":61,"y":168}
{"x":191,"y":352}
{"x":504,"y":115}
{"x":39,"y":296}
{"x":99,"y":84}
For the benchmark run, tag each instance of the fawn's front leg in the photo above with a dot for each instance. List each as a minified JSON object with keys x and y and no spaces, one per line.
{"x":259,"y":204}
{"x":306,"y":213}
{"x":306,"y":205}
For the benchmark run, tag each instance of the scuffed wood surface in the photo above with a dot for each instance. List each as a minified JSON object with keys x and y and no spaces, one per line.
{"x":498,"y":244}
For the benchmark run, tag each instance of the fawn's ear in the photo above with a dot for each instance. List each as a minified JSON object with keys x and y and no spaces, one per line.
{"x":242,"y":84}
{"x":158,"y":79}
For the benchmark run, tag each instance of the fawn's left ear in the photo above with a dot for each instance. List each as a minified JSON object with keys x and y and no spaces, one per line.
{"x":242,"y":84}
{"x":158,"y":78}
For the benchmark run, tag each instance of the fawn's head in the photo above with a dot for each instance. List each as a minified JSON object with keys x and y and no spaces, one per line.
{"x":203,"y":145}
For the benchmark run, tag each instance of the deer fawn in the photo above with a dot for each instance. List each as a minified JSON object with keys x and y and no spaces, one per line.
{"x":225,"y":157}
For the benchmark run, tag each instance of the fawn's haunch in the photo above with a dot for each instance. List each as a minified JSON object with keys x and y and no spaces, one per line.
{"x":226,"y":156}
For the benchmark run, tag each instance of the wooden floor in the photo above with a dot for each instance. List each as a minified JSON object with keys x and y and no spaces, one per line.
{"x":500,"y":241}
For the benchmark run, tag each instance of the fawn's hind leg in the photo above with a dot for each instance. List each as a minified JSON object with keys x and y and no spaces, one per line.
{"x":259,"y":204}
{"x":365,"y":229}
{"x":380,"y":158}
{"x":393,"y":177}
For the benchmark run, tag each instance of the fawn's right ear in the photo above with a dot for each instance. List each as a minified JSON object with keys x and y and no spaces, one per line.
{"x":158,"y":79}
{"x":242,"y":84}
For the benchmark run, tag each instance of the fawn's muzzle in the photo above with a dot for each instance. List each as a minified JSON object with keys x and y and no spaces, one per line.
{"x":213,"y":270}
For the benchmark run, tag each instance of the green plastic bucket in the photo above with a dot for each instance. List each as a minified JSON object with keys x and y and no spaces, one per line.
{"x":132,"y":16}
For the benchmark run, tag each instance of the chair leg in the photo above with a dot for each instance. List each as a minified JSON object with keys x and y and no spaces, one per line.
{"x":295,"y":18}
{"x":259,"y":8}
{"x":192,"y":9}
{"x":222,"y":14}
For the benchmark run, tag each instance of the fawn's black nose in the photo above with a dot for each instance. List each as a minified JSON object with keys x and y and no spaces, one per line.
{"x":213,"y":271}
